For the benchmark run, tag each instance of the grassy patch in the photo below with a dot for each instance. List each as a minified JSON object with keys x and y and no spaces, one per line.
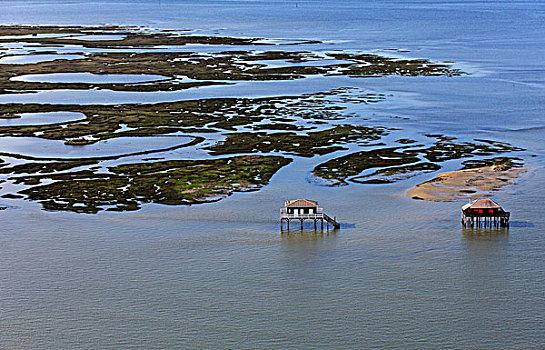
{"x":173,"y":182}
{"x":313,"y":143}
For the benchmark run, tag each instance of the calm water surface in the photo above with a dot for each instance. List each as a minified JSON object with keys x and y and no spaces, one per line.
{"x":400,"y":274}
{"x":88,"y":78}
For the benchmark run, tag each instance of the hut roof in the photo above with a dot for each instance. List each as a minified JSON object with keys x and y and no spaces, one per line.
{"x":482,"y":204}
{"x":302,"y":203}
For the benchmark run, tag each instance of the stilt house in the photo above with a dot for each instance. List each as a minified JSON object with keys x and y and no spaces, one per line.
{"x":305,"y":209}
{"x":484,"y":213}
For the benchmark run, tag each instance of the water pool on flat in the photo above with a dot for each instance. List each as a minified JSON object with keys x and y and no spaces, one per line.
{"x":30,"y":59}
{"x":33,"y":36}
{"x":103,"y":37}
{"x":89,"y":78}
{"x":252,"y":89}
{"x":308,"y":63}
{"x":42,"y":148}
{"x":44,"y":118}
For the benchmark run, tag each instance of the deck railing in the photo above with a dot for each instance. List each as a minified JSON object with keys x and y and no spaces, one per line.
{"x":318,"y":215}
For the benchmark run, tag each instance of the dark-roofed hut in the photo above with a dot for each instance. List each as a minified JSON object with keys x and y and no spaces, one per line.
{"x":484,"y":213}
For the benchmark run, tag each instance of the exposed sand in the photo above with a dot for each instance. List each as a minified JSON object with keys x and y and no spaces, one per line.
{"x":463,"y":184}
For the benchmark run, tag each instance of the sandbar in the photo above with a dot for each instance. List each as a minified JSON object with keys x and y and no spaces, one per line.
{"x":465,"y":183}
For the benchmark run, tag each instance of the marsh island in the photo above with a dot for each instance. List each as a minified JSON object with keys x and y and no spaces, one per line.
{"x":195,"y":150}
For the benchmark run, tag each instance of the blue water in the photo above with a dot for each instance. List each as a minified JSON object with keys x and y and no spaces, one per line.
{"x":400,"y":274}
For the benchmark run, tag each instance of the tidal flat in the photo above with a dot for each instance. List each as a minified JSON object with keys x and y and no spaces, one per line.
{"x":230,"y":64}
{"x":272,"y":131}
{"x":400,"y":273}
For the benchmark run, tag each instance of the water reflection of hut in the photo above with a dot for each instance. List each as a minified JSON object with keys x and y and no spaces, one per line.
{"x":484,"y":213}
{"x":305,"y":209}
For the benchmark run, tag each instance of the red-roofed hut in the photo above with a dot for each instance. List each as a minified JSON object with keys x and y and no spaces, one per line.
{"x":484,"y":213}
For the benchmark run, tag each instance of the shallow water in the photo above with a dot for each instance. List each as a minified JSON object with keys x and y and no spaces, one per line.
{"x":399,"y":274}
{"x":42,"y":148}
{"x":42,"y":118}
{"x":98,"y":37}
{"x":284,"y":63}
{"x":251,"y":89}
{"x":30,"y":59}
{"x":89,"y":78}
{"x":30,"y":36}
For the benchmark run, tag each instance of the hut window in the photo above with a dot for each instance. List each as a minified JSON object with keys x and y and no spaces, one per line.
{"x":480,"y":211}
{"x":491,"y":211}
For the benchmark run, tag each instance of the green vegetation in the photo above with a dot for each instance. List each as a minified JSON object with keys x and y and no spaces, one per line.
{"x":46,"y":167}
{"x":204,"y":69}
{"x":339,"y":169}
{"x":173,"y":182}
{"x":499,"y":163}
{"x":313,"y":143}
{"x":446,"y":149}
{"x":397,"y":163}
{"x":374,"y":65}
{"x":394,"y":174}
{"x":194,"y":116}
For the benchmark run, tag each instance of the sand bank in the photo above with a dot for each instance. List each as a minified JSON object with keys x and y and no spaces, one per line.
{"x":465,"y":183}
